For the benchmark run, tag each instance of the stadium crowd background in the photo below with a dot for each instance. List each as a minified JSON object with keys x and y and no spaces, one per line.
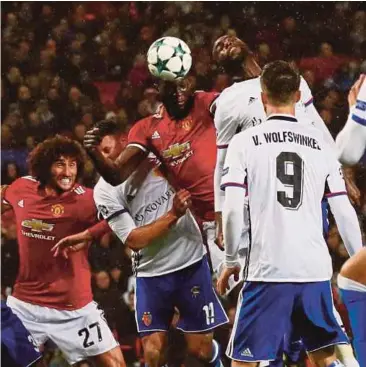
{"x":66,"y":65}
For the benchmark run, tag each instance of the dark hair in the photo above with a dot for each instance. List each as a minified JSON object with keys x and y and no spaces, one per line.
{"x":108,"y":127}
{"x":46,"y":153}
{"x":280,"y":81}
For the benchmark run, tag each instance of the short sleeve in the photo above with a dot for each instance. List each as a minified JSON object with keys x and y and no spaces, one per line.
{"x":107,"y":201}
{"x":226,"y":123}
{"x":234,"y":172}
{"x":306,"y":95}
{"x":16,"y":190}
{"x":139,"y":136}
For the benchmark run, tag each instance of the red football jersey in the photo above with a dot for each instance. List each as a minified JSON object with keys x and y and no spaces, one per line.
{"x":186,"y":147}
{"x":41,"y":222}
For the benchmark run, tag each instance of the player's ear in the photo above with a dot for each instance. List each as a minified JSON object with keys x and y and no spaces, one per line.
{"x":297,"y":96}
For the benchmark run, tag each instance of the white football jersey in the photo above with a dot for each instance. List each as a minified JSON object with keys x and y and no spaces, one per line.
{"x":287,"y":168}
{"x":240,"y":107}
{"x":351,"y":141}
{"x":139,"y":203}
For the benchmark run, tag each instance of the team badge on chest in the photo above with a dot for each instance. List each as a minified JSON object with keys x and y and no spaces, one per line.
{"x":57,"y":210}
{"x":147,"y":318}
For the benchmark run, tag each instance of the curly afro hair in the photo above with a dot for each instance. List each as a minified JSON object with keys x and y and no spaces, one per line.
{"x":46,"y":153}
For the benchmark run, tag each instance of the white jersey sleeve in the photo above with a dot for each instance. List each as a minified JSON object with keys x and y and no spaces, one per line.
{"x":231,"y":117}
{"x":233,"y":182}
{"x":312,"y":113}
{"x":351,"y":141}
{"x":306,"y":95}
{"x":343,"y":212}
{"x":227,"y":123}
{"x":110,"y":206}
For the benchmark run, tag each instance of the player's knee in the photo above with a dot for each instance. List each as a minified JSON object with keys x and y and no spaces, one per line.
{"x":324,"y":356}
{"x":152,"y":355}
{"x":113,"y":358}
{"x":152,"y":350}
{"x":201,"y":347}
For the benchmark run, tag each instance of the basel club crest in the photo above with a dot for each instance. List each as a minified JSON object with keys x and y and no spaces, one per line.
{"x":147,"y":318}
{"x":57,"y":210}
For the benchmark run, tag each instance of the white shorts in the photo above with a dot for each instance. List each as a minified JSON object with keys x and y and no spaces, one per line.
{"x":79,"y":334}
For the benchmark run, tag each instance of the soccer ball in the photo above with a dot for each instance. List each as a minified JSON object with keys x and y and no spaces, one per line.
{"x":169,"y":58}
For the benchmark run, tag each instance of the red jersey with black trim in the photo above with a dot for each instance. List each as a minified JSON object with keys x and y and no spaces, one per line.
{"x":186,"y":147}
{"x":41,"y":222}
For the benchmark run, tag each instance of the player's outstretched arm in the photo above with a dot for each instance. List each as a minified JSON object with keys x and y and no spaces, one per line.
{"x":234,"y":175}
{"x":5,"y":206}
{"x":351,"y":141}
{"x":139,"y":237}
{"x":343,"y":212}
{"x":81,"y":240}
{"x":114,"y":172}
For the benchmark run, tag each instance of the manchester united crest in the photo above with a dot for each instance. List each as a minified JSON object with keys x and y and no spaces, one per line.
{"x":57,"y":210}
{"x":187,"y":124}
{"x":147,"y":318}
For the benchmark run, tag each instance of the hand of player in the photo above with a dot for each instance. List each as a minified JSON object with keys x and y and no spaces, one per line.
{"x":72,"y":243}
{"x":219,"y":240}
{"x":223,"y":281}
{"x":181,"y":202}
{"x":92,"y":139}
{"x":353,"y":93}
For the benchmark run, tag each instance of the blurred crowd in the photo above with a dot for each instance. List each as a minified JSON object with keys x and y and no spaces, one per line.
{"x":66,"y":65}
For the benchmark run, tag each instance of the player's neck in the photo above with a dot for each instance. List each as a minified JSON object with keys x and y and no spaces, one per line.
{"x":52,"y":191}
{"x":280,"y":110}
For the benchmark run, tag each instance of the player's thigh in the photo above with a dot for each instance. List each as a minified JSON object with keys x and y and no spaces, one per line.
{"x":29,"y":316}
{"x":17,"y":345}
{"x":154,"y":342}
{"x":200,"y":344}
{"x":263,"y":317}
{"x":111,"y":358}
{"x":354,"y":267}
{"x":154,"y":305}
{"x":314,"y":317}
{"x":199,"y":307}
{"x":82,"y":333}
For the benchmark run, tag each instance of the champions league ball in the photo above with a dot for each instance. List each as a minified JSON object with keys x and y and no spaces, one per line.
{"x":169,"y":58}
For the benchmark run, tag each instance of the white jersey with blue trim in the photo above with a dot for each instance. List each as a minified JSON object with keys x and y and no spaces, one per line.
{"x":351,"y":141}
{"x":240,"y":107}
{"x":287,"y":168}
{"x":138,"y":202}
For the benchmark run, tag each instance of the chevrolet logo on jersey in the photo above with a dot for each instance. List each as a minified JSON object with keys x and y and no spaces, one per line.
{"x":176,"y":150}
{"x":37,"y":225}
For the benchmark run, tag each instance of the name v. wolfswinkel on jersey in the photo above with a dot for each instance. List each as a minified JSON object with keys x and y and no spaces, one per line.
{"x":286,"y":137}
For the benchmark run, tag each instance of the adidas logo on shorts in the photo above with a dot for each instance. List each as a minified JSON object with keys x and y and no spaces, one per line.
{"x":247,"y":353}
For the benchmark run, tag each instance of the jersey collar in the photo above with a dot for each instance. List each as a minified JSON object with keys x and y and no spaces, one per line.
{"x":283,"y":117}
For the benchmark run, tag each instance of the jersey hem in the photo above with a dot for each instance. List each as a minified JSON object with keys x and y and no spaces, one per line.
{"x":60,"y":308}
{"x":34,"y":360}
{"x":147,"y":275}
{"x":287,"y":280}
